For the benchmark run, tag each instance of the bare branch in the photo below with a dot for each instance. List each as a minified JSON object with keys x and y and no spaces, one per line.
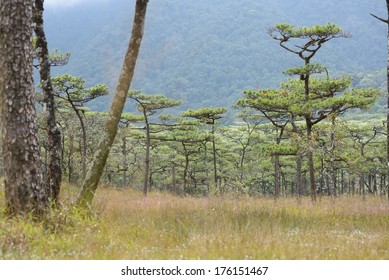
{"x":381,"y":19}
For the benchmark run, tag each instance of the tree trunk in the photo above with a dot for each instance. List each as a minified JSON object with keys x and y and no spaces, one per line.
{"x":311,"y":164}
{"x":214,"y":157}
{"x":70,"y":159}
{"x":186,"y":190}
{"x":125,"y":155}
{"x":299,"y":177}
{"x":362,"y":185}
{"x":54,"y":171}
{"x":174,"y":180}
{"x":276,"y":176}
{"x":146,"y":184}
{"x":92,"y":178}
{"x":84,"y":147}
{"x":23,"y":181}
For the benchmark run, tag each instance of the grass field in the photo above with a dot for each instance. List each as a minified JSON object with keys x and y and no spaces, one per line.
{"x":126,"y":225}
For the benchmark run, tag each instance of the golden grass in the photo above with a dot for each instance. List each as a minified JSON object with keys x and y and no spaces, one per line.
{"x":127,"y":225}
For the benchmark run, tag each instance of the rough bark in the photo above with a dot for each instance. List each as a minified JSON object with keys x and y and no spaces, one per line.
{"x":95,"y":171}
{"x":23,"y":181}
{"x":54,"y":171}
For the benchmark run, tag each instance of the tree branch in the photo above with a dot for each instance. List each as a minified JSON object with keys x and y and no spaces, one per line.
{"x":381,"y":19}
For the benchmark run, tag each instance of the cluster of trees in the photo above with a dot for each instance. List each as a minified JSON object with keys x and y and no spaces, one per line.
{"x":194,"y":154}
{"x":285,"y":141}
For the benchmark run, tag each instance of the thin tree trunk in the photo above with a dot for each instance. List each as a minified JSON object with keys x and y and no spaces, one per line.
{"x":146,"y":184}
{"x":214,"y":156}
{"x":276,"y":176}
{"x":70,"y":159}
{"x":362,"y":185}
{"x":84,"y":147}
{"x":309,"y":136}
{"x":174,"y":180}
{"x":23,"y":180}
{"x":299,"y":177}
{"x":311,"y":165}
{"x":125,"y":155}
{"x":54,"y":171}
{"x":92,"y":178}
{"x":185,"y":168}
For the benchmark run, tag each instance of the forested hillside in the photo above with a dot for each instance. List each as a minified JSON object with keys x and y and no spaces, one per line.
{"x":206,"y":53}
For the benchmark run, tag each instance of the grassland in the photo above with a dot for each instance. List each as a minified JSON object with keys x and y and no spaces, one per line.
{"x":126,"y":225}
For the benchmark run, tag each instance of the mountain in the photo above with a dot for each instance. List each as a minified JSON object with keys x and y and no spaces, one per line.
{"x":206,"y":53}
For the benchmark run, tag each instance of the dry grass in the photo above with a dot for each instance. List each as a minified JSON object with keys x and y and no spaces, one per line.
{"x":129,"y":226}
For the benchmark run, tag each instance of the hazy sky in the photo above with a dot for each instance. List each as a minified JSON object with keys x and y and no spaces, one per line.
{"x":68,"y":3}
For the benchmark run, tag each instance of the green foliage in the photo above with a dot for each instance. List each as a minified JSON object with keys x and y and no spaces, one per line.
{"x":70,"y":91}
{"x":308,"y":69}
{"x":56,"y":57}
{"x":206,"y":115}
{"x":150,"y":103}
{"x":316,"y":32}
{"x":327,"y":97}
{"x":131,"y":118}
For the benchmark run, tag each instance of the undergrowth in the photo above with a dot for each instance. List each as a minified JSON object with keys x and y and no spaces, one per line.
{"x":125,"y":225}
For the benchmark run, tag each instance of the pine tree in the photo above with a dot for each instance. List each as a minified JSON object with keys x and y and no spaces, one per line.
{"x":148,"y":105}
{"x":315,"y":99}
{"x":24,"y":188}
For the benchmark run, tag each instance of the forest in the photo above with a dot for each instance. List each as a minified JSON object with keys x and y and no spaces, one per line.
{"x":228,"y":121}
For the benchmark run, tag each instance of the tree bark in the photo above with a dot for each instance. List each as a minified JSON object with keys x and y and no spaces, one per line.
{"x":299,"y":177}
{"x":54,"y":171}
{"x":311,"y":164}
{"x":84,"y":144}
{"x":276,"y":176}
{"x":146,"y":184}
{"x":92,"y":178}
{"x":215,"y":177}
{"x":23,"y":181}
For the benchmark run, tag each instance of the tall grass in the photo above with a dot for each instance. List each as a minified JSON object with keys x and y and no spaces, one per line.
{"x":126,"y":225}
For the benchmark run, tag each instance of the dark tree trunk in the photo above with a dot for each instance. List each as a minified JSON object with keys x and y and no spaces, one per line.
{"x":174,"y":180}
{"x":23,"y":181}
{"x":146,"y":184}
{"x":70,"y":159}
{"x":186,"y":167}
{"x":84,"y":145}
{"x":54,"y":171}
{"x":92,"y":178}
{"x":311,"y":164}
{"x":215,"y":176}
{"x":276,"y":176}
{"x":125,"y":155}
{"x":299,"y":177}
